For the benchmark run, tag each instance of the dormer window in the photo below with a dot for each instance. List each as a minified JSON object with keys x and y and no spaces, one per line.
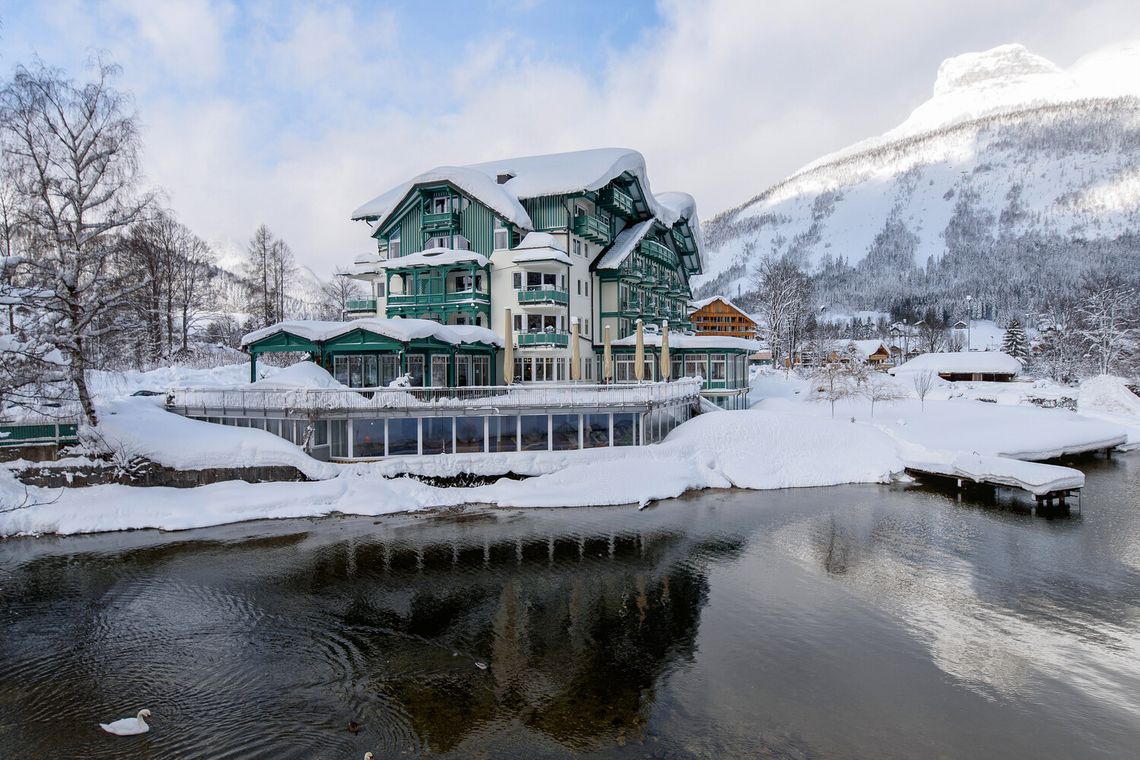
{"x":503,"y":178}
{"x":394,"y":244}
{"x":502,"y":236}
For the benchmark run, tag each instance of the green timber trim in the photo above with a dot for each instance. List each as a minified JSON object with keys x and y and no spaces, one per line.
{"x":475,"y":222}
{"x":36,"y":434}
{"x":548,"y":212}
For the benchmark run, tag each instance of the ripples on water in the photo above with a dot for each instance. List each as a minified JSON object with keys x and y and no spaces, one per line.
{"x":845,"y":622}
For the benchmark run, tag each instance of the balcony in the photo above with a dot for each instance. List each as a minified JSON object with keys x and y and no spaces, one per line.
{"x":448,"y":221}
{"x":356,"y":305}
{"x":543,"y":296}
{"x":655,"y":250}
{"x":592,"y":228}
{"x":614,"y":200}
{"x":543,"y":339}
{"x":439,"y":299}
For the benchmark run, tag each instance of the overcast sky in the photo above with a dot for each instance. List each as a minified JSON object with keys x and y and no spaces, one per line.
{"x":295,"y":113}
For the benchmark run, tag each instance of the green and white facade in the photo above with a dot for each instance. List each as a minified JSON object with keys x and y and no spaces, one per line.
{"x":555,"y":240}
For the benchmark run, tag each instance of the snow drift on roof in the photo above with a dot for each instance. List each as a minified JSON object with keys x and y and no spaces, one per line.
{"x":539,"y":240}
{"x":434,"y":257}
{"x":680,"y":340}
{"x":403,"y":330}
{"x":624,"y":244}
{"x":866,"y":348}
{"x":475,"y":183}
{"x":980,"y":362}
{"x":533,"y":177}
{"x":702,"y":303}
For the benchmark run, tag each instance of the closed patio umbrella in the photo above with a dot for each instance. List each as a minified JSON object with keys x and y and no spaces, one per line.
{"x":508,"y":351}
{"x":639,"y":353}
{"x":607,"y":356}
{"x":575,"y":356}
{"x":665,"y":366}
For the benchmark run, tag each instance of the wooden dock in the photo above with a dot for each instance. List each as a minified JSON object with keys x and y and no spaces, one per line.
{"x":1051,"y":485}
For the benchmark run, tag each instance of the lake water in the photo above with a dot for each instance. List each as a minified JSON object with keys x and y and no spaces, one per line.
{"x":843,"y":622}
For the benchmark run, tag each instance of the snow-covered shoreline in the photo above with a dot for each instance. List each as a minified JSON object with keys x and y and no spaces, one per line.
{"x":784,"y":442}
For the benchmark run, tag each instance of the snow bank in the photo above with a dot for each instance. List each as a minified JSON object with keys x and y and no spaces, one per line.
{"x":108,"y":386}
{"x":1108,"y":398}
{"x":744,"y":449}
{"x":303,"y":374}
{"x":140,"y":426}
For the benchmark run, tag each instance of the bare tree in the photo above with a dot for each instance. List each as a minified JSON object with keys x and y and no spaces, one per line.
{"x":879,"y":387}
{"x":923,"y":381}
{"x":832,"y":382}
{"x":269,"y":269}
{"x":337,"y":292}
{"x":73,"y":149}
{"x":1107,"y":309}
{"x":783,"y":293}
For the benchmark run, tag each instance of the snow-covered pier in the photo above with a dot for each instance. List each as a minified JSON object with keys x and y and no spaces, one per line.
{"x":1048,"y":483}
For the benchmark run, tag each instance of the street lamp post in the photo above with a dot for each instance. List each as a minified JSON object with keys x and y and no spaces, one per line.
{"x":969,"y":319}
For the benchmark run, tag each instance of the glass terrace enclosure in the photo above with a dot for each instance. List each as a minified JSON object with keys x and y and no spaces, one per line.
{"x":381,"y":422}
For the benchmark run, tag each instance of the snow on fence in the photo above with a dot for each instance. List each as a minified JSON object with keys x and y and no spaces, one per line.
{"x":418,"y":399}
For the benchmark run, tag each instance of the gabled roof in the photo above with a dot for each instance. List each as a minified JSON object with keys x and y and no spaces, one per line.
{"x":702,"y":303}
{"x":532,"y":177}
{"x":979,"y":362}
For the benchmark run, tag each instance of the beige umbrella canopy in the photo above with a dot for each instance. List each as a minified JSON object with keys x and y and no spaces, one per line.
{"x":607,"y":356}
{"x":508,"y":351}
{"x":639,"y":353}
{"x":575,"y":355}
{"x":665,"y":365}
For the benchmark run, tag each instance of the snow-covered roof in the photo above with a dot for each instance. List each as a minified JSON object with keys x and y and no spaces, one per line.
{"x":866,"y":348}
{"x":676,"y":206}
{"x":533,"y":177}
{"x":980,"y":362}
{"x":540,"y":246}
{"x":475,"y":183}
{"x":403,"y":330}
{"x":680,"y":340}
{"x":434,"y":257}
{"x":702,"y":303}
{"x":624,"y":244}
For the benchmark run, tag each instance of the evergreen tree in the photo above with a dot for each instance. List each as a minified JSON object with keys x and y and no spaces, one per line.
{"x":1015,"y":343}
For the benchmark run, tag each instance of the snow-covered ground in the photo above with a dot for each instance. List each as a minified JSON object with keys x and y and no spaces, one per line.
{"x":786,"y":441}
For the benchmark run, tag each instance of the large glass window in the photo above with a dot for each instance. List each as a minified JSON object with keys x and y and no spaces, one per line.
{"x":625,"y":429}
{"x":368,"y":438}
{"x":623,"y":368}
{"x":468,"y":434}
{"x":463,"y":371}
{"x":717,"y":368}
{"x":696,"y":365}
{"x":338,"y":438}
{"x":439,"y":370}
{"x":340,"y":369}
{"x":416,"y":369}
{"x":564,"y":432}
{"x":403,"y":435}
{"x":480,"y":370}
{"x":534,"y":432}
{"x":502,"y":433}
{"x":437,"y":435}
{"x":370,"y":376}
{"x":595,"y":430}
{"x":389,"y":368}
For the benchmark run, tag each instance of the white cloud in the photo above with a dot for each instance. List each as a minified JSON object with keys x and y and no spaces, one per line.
{"x":321,"y":107}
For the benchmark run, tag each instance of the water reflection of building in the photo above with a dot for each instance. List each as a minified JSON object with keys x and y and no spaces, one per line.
{"x":563,"y":635}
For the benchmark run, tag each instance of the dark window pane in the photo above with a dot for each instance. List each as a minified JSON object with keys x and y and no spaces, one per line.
{"x":534,"y":432}
{"x":437,"y":435}
{"x":403,"y":435}
{"x":502,"y":433}
{"x":595,"y":430}
{"x":468,"y":434}
{"x":368,"y":438}
{"x":564,"y":431}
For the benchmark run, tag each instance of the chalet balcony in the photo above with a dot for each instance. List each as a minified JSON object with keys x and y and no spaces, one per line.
{"x":435,"y":298}
{"x":657,"y":251}
{"x":592,"y":228}
{"x":543,"y":339}
{"x":543,"y":297}
{"x":360,"y":305}
{"x":447,"y":221}
{"x":615,"y":200}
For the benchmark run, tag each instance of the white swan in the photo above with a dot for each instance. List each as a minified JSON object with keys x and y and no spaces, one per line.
{"x":128,"y":726}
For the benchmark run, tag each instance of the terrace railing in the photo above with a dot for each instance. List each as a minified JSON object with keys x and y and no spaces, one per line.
{"x":256,"y":401}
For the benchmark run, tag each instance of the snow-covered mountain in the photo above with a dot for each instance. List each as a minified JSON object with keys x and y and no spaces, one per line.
{"x":1004,"y":185}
